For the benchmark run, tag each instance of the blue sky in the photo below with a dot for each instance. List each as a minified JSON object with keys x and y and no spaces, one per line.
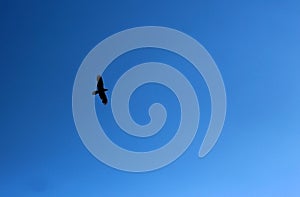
{"x":256,"y":46}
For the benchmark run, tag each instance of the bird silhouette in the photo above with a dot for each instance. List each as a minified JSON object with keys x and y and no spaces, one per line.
{"x":101,"y":90}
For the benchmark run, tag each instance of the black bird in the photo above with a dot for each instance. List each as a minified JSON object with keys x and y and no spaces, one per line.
{"x":101,"y":90}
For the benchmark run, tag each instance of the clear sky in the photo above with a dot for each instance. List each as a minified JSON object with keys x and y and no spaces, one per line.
{"x":256,"y":46}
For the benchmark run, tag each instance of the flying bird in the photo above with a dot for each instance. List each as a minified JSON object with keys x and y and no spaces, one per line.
{"x":101,"y":90}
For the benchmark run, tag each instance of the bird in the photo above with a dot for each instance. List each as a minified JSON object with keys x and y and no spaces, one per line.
{"x":101,"y":90}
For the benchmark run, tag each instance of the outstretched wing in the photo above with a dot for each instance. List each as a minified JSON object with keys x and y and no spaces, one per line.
{"x":98,"y":77}
{"x":100,"y":84}
{"x":103,"y":97}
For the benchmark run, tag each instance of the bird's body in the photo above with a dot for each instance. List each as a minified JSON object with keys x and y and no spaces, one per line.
{"x":101,"y":90}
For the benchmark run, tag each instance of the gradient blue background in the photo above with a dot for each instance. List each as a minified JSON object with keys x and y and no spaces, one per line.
{"x":256,"y":46}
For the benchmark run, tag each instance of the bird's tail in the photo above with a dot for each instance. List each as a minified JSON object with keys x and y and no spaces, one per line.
{"x":94,"y":92}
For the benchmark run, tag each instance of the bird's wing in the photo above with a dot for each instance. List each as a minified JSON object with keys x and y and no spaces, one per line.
{"x":100,"y":83}
{"x":103,"y":97}
{"x":98,"y":77}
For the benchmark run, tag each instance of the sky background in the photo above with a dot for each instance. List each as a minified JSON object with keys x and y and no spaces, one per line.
{"x":256,"y":46}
